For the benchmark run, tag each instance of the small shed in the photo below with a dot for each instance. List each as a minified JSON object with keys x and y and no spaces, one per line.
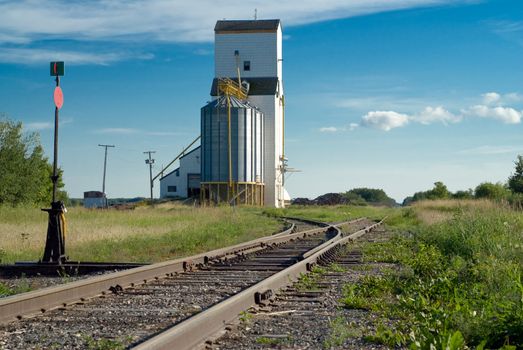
{"x":95,"y":199}
{"x":184,"y":181}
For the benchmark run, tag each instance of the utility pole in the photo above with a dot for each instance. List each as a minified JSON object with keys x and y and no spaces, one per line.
{"x":105,"y":168}
{"x":150,"y":161}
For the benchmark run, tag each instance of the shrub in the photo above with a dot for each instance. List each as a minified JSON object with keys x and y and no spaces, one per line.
{"x":490,"y":190}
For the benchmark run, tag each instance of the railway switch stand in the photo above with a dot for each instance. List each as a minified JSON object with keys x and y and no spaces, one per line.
{"x":54,"y":251}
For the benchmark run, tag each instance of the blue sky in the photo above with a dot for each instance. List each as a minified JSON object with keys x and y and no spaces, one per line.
{"x":393,"y":94}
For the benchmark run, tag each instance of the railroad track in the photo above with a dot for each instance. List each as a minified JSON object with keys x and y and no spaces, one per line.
{"x":307,"y":314}
{"x":169,"y":305}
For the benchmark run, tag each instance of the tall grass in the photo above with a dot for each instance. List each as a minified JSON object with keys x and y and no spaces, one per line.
{"x":334,"y":213}
{"x":143,"y":235}
{"x":461,"y":281}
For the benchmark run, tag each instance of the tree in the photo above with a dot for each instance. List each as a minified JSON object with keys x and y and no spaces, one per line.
{"x":469,"y":194}
{"x":372,"y":196}
{"x":25,"y":171}
{"x":491,"y":191}
{"x":439,"y":191}
{"x":515,"y":181}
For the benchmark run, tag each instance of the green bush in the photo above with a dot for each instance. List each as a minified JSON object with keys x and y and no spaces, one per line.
{"x":25,"y":174}
{"x":490,"y":190}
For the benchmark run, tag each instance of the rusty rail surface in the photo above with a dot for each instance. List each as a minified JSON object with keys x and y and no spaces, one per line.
{"x":39,"y":301}
{"x":195,"y":330}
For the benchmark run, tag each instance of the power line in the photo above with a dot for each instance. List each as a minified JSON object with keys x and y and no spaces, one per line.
{"x":150,"y":161}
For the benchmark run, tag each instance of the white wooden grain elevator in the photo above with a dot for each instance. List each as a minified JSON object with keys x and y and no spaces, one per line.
{"x":247,"y":55}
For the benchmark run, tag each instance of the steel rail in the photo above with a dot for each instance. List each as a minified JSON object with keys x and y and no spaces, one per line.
{"x":39,"y":301}
{"x":14,"y":307}
{"x":193,"y":331}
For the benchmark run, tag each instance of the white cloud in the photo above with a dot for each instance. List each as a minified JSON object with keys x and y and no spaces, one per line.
{"x":513,"y":97}
{"x":203,"y":52}
{"x":121,"y":131}
{"x":506,"y":115}
{"x":494,"y":98}
{"x":384,"y":102}
{"x":502,"y":27}
{"x":23,"y":22}
{"x":332,"y":129}
{"x":163,"y":133}
{"x":493,"y":108}
{"x":328,"y":129}
{"x":438,"y":114}
{"x":33,"y":56}
{"x":491,"y":150}
{"x":132,"y":131}
{"x":38,"y":126}
{"x":491,"y":97}
{"x":384,"y":120}
{"x":181,"y":21}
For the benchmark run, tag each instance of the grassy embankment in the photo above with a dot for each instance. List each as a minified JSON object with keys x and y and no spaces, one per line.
{"x":459,"y":281}
{"x":459,"y":278}
{"x":141,"y":235}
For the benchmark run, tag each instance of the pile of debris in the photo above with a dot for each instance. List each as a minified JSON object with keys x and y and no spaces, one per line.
{"x":331,"y":199}
{"x":303,"y":201}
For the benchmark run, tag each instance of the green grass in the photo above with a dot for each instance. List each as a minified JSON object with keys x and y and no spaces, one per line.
{"x":400,"y":218}
{"x":460,"y":283}
{"x":22,"y":287}
{"x":331,"y":213}
{"x":340,"y":331}
{"x":104,"y":344}
{"x":268,"y":341}
{"x":141,"y":235}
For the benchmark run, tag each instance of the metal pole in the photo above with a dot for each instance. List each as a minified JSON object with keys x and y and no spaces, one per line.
{"x":229,"y":191}
{"x":150,"y":161}
{"x":105,"y":168}
{"x":151,"y":178}
{"x":54,"y":178}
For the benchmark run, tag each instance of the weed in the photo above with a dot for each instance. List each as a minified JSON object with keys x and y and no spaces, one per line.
{"x":340,"y":331}
{"x":21,"y":287}
{"x":309,"y":281}
{"x":269,"y":341}
{"x":387,"y":336}
{"x":336,"y":268}
{"x":103,"y":344}
{"x":245,"y":317}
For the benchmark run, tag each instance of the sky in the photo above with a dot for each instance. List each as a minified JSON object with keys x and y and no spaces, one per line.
{"x":390,"y":94}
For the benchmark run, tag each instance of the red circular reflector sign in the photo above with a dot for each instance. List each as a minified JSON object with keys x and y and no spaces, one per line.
{"x":58,"y":97}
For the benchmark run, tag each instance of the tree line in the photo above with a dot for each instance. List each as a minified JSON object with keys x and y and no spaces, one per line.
{"x":511,"y":190}
{"x":25,"y":171}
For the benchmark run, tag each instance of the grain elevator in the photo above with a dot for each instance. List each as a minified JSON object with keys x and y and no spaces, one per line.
{"x":242,"y":128}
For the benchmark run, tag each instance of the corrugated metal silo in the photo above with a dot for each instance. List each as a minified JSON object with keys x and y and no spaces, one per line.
{"x":240,"y":178}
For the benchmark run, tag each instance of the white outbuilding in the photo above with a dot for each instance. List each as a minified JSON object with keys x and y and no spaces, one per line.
{"x":184,"y":181}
